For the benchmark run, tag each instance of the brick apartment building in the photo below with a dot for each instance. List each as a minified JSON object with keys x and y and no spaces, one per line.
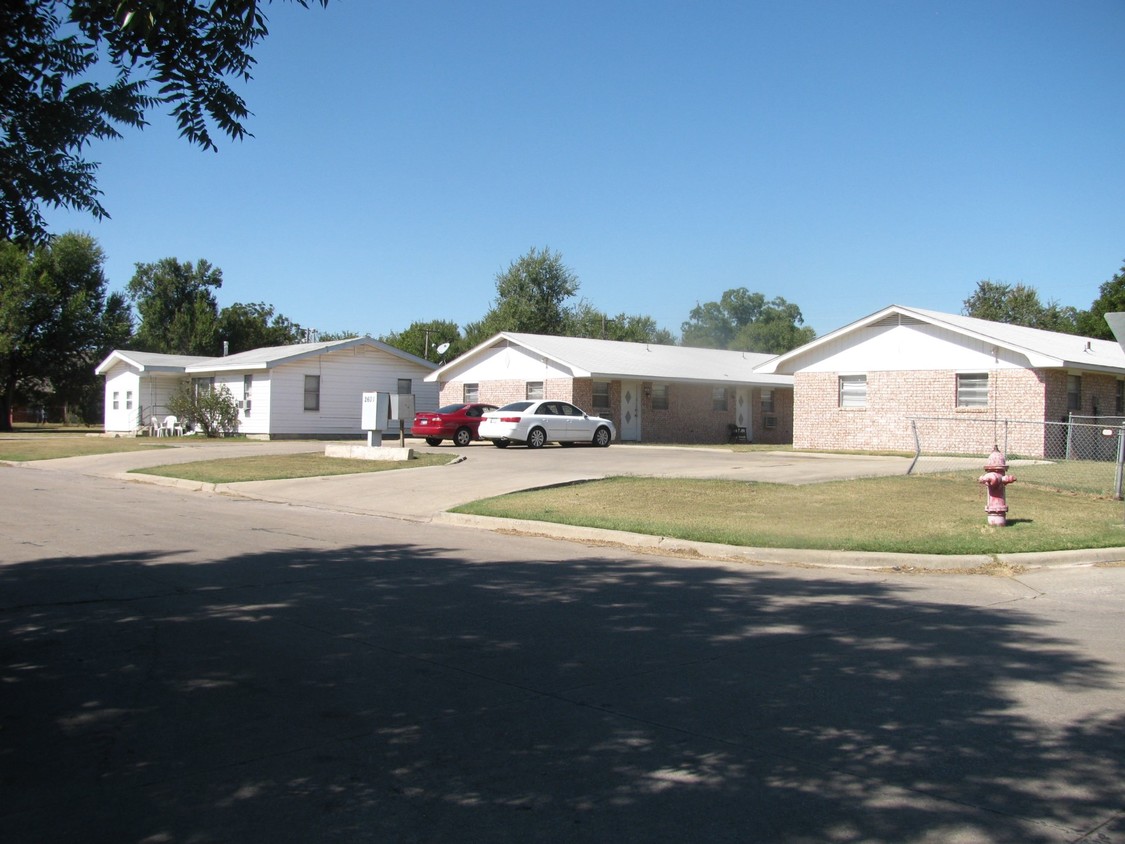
{"x":653,"y":393}
{"x":861,"y":387}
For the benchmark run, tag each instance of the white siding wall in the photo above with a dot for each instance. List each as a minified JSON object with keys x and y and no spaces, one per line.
{"x":122,"y":380}
{"x":344,"y":377}
{"x":509,"y":363}
{"x":913,"y":347}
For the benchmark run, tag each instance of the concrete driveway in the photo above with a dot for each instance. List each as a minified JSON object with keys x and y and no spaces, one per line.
{"x":420,"y":494}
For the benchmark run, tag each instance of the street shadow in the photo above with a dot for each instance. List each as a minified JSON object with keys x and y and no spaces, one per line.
{"x":399,"y":693}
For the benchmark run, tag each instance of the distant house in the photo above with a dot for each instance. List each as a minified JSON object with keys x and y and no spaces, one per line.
{"x":653,"y":393}
{"x":862,"y":386}
{"x":303,"y":390}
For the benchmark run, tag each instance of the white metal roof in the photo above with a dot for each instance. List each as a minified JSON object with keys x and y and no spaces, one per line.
{"x":148,"y":361}
{"x":255,"y":359}
{"x":588,"y":357}
{"x":1043,"y":349}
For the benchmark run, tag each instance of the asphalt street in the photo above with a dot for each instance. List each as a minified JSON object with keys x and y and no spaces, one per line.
{"x":186,"y":666}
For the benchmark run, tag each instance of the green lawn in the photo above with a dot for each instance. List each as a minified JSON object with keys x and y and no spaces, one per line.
{"x":920,"y":514}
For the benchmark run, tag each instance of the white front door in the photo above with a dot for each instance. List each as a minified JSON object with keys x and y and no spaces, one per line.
{"x":630,"y":411}
{"x":742,"y":414}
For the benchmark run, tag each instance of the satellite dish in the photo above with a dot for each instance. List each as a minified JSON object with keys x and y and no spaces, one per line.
{"x":443,"y":348}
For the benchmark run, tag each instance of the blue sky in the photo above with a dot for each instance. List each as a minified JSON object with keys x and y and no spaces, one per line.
{"x":842,"y":155}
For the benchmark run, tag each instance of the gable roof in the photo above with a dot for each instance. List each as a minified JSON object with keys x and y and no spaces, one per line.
{"x":587,"y":357}
{"x":147,"y":361}
{"x":266,"y":357}
{"x":1042,"y":349}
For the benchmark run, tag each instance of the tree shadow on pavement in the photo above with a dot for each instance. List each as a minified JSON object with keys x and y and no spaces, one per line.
{"x":396,"y":692}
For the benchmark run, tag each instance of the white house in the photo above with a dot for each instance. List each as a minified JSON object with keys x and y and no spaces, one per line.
{"x":653,"y":393}
{"x":861,"y":386}
{"x":303,"y":390}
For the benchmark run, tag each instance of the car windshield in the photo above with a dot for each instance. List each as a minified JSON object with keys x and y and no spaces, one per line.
{"x":450,"y":408}
{"x":518,"y":405}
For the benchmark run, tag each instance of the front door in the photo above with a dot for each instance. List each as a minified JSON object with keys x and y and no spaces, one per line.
{"x":742,"y":414}
{"x":630,"y":411}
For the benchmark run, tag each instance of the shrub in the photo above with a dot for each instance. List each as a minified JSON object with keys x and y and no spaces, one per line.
{"x":213,"y":411}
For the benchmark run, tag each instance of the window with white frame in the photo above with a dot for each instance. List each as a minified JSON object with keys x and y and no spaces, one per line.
{"x":470,"y":393}
{"x":116,"y":400}
{"x":601,"y":395}
{"x":247,"y":390}
{"x":972,"y":389}
{"x":659,"y":396}
{"x":128,"y":399}
{"x":767,"y":401}
{"x":534,"y":390}
{"x":202,"y":386}
{"x":853,"y":391}
{"x":718,"y":398}
{"x":312,"y":392}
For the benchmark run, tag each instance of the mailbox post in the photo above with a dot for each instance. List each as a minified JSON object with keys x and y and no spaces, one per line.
{"x":376,"y":413}
{"x":402,"y":409}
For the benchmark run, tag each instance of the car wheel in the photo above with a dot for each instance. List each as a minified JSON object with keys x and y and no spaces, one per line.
{"x":500,"y":443}
{"x":536,"y":437}
{"x":433,"y":440}
{"x":601,"y":437}
{"x":462,"y":437}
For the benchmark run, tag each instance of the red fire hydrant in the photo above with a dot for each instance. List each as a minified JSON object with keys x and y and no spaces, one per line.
{"x":995,"y":480}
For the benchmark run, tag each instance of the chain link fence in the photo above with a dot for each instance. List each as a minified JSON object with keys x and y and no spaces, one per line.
{"x":1083,"y":454}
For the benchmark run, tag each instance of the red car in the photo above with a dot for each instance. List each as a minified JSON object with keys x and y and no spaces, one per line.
{"x":457,"y":422}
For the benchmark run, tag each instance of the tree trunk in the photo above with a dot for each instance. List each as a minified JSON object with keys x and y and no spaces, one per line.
{"x":7,"y":397}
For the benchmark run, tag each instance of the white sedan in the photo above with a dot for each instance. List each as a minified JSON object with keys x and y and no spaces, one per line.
{"x":539,"y":422}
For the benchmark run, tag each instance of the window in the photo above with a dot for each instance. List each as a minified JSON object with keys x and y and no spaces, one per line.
{"x":659,"y":396}
{"x":1074,"y":393}
{"x":116,"y":400}
{"x":128,"y":399}
{"x":404,"y":386}
{"x":972,"y":389}
{"x":718,"y":398}
{"x":767,"y":401}
{"x":853,"y":391}
{"x":534,"y":390}
{"x":247,"y":389}
{"x":201,"y":386}
{"x":1119,"y":400}
{"x":470,"y":393}
{"x":601,"y":395}
{"x":312,"y":392}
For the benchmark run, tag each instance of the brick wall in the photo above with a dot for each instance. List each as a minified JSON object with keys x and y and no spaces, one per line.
{"x":689,"y":417}
{"x":894,"y":397}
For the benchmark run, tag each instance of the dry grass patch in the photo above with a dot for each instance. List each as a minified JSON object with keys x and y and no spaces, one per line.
{"x":924,"y":514}
{"x":20,"y":448}
{"x":269,"y":467}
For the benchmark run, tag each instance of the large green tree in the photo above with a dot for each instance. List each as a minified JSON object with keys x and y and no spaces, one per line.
{"x":243,"y":327}
{"x":56,"y":94}
{"x":588,"y":321}
{"x":55,"y":318}
{"x":178,"y":311}
{"x":748,"y":322}
{"x":531,"y":296}
{"x":1111,"y":298}
{"x":1018,"y":304}
{"x":424,"y":338}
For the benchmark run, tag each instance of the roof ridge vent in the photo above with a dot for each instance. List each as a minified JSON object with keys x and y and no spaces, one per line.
{"x":894,"y":320}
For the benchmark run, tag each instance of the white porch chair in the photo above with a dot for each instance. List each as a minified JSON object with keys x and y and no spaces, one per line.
{"x":172,"y":427}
